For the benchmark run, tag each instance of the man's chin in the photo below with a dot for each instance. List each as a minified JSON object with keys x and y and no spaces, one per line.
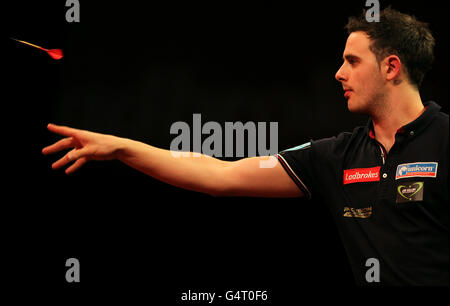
{"x":355,"y":108}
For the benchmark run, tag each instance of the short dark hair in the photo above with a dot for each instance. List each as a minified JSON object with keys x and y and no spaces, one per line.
{"x":399,"y":34}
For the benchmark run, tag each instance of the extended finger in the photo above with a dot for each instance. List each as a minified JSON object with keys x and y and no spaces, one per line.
{"x":59,"y":145}
{"x":62,"y":130}
{"x":62,"y":161}
{"x":76,"y":165}
{"x":70,"y":156}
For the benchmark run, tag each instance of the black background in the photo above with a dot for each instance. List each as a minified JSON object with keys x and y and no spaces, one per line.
{"x":132,"y":70}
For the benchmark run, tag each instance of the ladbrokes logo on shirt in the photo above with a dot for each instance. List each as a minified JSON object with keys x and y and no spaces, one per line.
{"x":419,"y":169}
{"x":360,"y":175}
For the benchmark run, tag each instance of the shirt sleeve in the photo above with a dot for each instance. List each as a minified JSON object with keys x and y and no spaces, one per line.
{"x":315,"y":165}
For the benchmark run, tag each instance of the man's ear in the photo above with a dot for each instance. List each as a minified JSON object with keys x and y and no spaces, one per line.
{"x":393,"y":67}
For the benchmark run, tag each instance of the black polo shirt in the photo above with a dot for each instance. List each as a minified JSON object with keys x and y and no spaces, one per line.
{"x":391,"y":210}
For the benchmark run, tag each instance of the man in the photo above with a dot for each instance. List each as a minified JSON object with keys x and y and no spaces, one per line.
{"x":385,"y":183}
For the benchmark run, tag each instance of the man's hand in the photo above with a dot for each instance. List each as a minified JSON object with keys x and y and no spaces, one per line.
{"x":85,"y":146}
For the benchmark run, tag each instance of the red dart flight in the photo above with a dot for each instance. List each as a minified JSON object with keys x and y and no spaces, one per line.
{"x":54,"y":53}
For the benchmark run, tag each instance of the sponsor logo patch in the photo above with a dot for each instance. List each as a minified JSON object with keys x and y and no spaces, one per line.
{"x":361,"y":175}
{"x":362,"y":213}
{"x":419,"y":169}
{"x":409,"y":192}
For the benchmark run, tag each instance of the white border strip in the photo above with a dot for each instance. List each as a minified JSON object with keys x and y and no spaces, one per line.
{"x":290,"y":169}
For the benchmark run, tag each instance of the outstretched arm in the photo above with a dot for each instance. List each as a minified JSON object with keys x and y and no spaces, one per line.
{"x":197,"y":172}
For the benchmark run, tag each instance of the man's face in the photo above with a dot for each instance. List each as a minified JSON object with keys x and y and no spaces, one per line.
{"x":360,"y":75}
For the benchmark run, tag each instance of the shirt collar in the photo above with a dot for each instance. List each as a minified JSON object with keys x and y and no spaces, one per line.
{"x":416,"y":126}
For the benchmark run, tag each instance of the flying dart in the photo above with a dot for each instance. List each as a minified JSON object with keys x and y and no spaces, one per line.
{"x":54,"y":53}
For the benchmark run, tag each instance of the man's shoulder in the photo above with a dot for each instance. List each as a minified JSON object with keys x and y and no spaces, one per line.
{"x":340,"y":143}
{"x":442,"y":117}
{"x":359,"y":132}
{"x":440,"y":124}
{"x":439,"y":116}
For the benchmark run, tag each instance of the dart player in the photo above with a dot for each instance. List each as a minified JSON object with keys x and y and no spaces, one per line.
{"x":385,"y":183}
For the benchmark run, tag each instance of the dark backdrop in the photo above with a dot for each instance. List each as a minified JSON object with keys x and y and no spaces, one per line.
{"x":132,"y":70}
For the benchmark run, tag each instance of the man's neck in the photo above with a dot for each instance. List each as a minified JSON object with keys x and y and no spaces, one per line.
{"x":402,"y":107}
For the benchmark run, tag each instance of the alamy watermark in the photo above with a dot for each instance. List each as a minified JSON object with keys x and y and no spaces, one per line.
{"x":257,"y":139}
{"x":73,"y":13}
{"x":373,"y":13}
{"x":373,"y":273}
{"x":73,"y":271}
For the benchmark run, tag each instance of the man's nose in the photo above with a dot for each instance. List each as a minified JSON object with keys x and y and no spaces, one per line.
{"x":339,"y":76}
